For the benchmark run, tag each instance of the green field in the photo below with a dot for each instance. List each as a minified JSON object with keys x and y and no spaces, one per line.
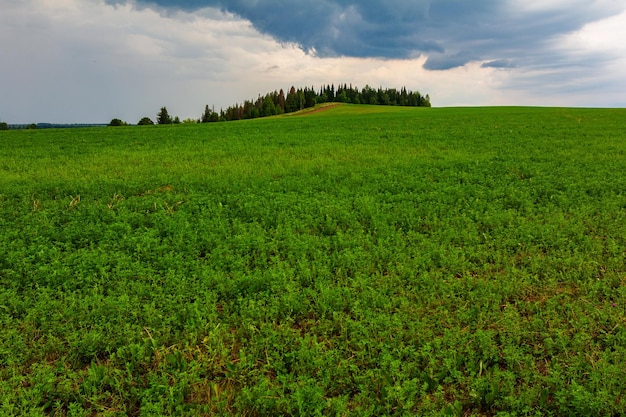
{"x":354,"y":261}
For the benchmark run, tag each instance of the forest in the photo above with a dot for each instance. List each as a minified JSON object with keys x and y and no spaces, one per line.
{"x":277,"y":102}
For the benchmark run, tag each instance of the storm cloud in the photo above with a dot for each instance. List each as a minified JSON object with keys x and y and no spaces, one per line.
{"x":450,"y":32}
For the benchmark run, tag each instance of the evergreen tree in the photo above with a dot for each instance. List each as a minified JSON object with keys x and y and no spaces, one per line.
{"x":382,"y":97}
{"x":248,"y":110}
{"x":403,"y":97}
{"x":207,"y":115}
{"x":291,"y":102}
{"x":163,"y":117}
{"x":310,"y":98}
{"x":268,"y":109}
{"x":281,"y":100}
{"x":300,"y":99}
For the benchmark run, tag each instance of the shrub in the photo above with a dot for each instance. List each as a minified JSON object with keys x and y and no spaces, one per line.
{"x":145,"y":121}
{"x":117,"y":122}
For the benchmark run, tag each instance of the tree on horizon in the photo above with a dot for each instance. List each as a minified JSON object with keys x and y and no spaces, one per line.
{"x":163,"y":117}
{"x":118,"y":122}
{"x":145,"y":121}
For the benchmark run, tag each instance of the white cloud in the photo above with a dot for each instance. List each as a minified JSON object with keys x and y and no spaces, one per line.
{"x":606,"y":35}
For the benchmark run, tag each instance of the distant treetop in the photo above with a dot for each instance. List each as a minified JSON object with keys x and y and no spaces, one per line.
{"x":145,"y":121}
{"x":163,"y":117}
{"x":117,"y":122}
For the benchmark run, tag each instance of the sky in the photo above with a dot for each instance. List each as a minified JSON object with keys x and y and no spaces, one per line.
{"x":89,"y":61}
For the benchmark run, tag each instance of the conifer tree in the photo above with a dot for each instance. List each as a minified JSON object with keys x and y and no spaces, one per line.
{"x":163,"y":117}
{"x":291,"y":103}
{"x":206,"y":116}
{"x":281,"y":100}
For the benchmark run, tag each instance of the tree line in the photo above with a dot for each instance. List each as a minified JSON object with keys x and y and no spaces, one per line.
{"x":278,"y":102}
{"x":6,"y":126}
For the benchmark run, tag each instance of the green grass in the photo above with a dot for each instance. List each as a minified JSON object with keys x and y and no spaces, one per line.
{"x":360,"y":260}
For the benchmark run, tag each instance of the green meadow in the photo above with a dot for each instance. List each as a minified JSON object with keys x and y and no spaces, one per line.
{"x":361,"y":260}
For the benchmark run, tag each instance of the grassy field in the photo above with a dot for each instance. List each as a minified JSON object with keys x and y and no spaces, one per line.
{"x":353,"y":261}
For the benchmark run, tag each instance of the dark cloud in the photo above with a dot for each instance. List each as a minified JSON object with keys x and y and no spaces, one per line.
{"x":442,"y":61}
{"x":498,"y":63}
{"x":450,"y":32}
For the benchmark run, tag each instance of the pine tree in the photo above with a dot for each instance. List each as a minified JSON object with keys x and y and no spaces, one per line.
{"x":291,"y":102}
{"x":206,"y":116}
{"x":163,"y":117}
{"x":281,"y":100}
{"x":268,"y":109}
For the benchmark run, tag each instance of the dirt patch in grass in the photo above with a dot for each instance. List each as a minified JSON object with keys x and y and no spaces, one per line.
{"x":317,"y":109}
